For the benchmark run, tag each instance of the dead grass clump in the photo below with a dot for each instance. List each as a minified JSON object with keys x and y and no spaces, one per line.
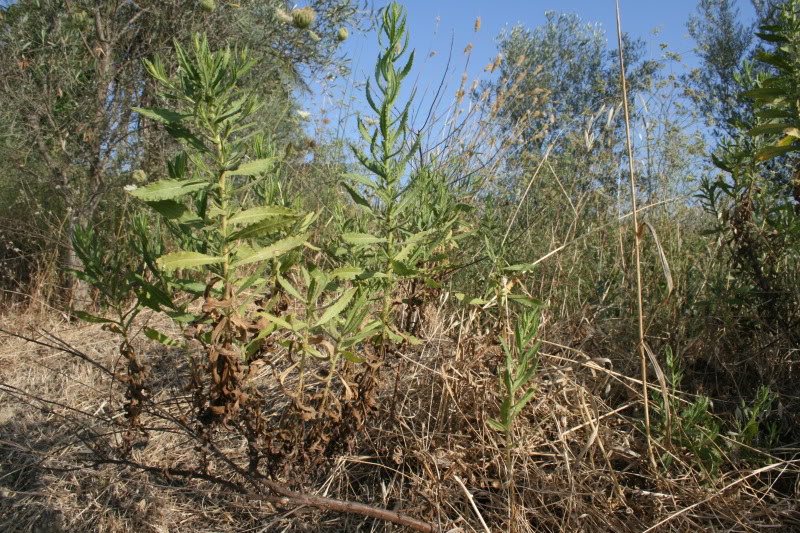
{"x":580,"y":464}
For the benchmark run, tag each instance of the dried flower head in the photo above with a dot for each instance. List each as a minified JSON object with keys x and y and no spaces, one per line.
{"x":304,"y":17}
{"x":283,"y":16}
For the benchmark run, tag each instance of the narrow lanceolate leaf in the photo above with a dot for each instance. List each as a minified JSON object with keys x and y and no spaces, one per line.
{"x":336,"y":308}
{"x":357,"y":198}
{"x":274,"y":250}
{"x":186,"y":260}
{"x":86,"y":317}
{"x":361,"y":238}
{"x":157,"y":336}
{"x":160,"y":114}
{"x":767,"y":129}
{"x":168,"y":189}
{"x":768,"y":152}
{"x":252,"y":168}
{"x":257,"y":214}
{"x":495,"y":425}
{"x":358,"y":178}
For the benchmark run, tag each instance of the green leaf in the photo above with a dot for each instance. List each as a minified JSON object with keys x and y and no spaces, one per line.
{"x":357,"y":198}
{"x":276,"y":320}
{"x":252,"y":168}
{"x":153,"y":296}
{"x":172,"y":210}
{"x":353,"y":358}
{"x":521,"y":267}
{"x":765,"y":94}
{"x":265,"y":227}
{"x":402,"y":269}
{"x":347,"y":272}
{"x":358,"y":239}
{"x":168,"y":189}
{"x":524,"y":300}
{"x":86,"y":317}
{"x":274,"y":250}
{"x":767,"y":129}
{"x":336,"y":308}
{"x":358,"y":178}
{"x":186,"y":260}
{"x":160,"y":114}
{"x":157,"y":336}
{"x":179,"y":133}
{"x":257,"y":214}
{"x":182,"y":318}
{"x":768,"y":152}
{"x":496,"y":425}
{"x":461,"y":297}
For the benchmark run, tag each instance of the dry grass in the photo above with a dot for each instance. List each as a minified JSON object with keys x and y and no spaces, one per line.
{"x":580,"y":466}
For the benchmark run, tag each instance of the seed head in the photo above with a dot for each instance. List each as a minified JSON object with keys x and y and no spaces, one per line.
{"x":304,"y":17}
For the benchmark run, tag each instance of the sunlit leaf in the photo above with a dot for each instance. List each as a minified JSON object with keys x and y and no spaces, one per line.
{"x":186,"y":260}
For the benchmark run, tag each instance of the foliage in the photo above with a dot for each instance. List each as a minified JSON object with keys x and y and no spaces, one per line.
{"x":411,"y":215}
{"x":688,"y":426}
{"x":758,"y":204}
{"x":71,"y":72}
{"x":723,"y":42}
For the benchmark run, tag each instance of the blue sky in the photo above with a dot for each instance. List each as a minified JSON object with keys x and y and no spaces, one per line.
{"x":433,"y":23}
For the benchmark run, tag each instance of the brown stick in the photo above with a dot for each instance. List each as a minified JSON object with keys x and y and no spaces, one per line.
{"x":287,"y":495}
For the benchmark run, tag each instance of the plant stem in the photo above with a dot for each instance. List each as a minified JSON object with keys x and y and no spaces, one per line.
{"x":637,"y":244}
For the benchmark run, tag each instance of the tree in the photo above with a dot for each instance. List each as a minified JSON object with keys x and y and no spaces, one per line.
{"x":723,"y":42}
{"x":558,"y":89}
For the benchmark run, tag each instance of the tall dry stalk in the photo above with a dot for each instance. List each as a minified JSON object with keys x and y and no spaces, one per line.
{"x":637,"y":241}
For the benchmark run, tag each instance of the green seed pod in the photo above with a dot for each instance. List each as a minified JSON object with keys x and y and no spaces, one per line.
{"x":313,"y":36}
{"x":342,"y":34}
{"x":208,"y":5}
{"x":304,"y":17}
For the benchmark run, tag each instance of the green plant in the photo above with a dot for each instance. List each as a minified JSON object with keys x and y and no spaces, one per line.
{"x":520,"y":364}
{"x":752,"y":428}
{"x":681,"y":425}
{"x":757,"y":203}
{"x":256,"y":289}
{"x":398,"y":242}
{"x":126,"y":282}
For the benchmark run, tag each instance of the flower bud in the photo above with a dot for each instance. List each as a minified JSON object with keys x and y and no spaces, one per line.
{"x":304,"y":17}
{"x":313,"y":36}
{"x":342,"y":34}
{"x":208,"y":5}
